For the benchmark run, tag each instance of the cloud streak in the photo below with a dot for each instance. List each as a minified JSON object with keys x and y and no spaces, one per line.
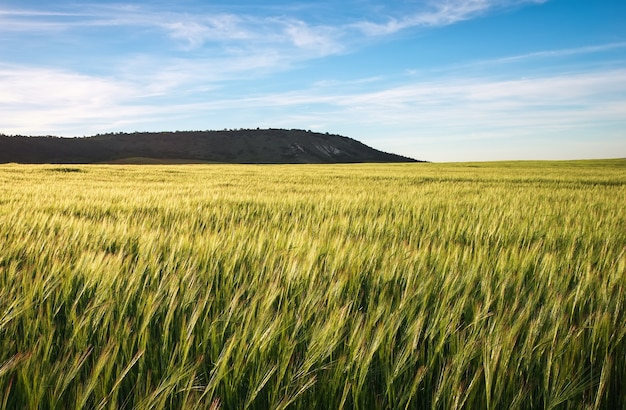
{"x":561,"y":53}
{"x":45,"y":100}
{"x":196,"y":30}
{"x":604,"y":90}
{"x":192,"y":30}
{"x":439,"y":14}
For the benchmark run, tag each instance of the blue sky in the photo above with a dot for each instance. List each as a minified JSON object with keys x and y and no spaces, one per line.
{"x":447,"y":80}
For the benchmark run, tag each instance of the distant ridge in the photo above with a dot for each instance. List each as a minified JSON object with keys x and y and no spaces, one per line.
{"x":244,"y":146}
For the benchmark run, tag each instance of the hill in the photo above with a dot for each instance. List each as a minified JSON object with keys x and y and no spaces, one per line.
{"x":276,"y":146}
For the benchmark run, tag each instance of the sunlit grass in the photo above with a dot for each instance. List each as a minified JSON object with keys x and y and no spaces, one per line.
{"x":486,"y":285}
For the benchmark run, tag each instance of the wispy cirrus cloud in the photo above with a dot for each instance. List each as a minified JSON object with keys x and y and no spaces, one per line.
{"x":32,"y":22}
{"x":563,"y":92}
{"x":438,"y":14}
{"x":567,"y":52}
{"x":196,"y":30}
{"x":193,"y":31}
{"x":41,"y":100}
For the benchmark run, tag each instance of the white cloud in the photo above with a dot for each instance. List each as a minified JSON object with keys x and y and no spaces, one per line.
{"x":563,"y":100}
{"x":42,"y":87}
{"x":556,"y":53}
{"x":224,"y":30}
{"x":51,"y":101}
{"x":439,"y":13}
{"x":37,"y":100}
{"x":196,"y":31}
{"x":323,"y":40}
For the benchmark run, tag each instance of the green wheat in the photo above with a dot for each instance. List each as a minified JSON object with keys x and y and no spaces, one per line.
{"x":430,"y":286}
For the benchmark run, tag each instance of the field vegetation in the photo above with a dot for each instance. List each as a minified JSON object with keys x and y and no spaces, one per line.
{"x":428,"y":286}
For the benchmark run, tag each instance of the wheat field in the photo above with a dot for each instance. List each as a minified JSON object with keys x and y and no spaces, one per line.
{"x":421,"y":286}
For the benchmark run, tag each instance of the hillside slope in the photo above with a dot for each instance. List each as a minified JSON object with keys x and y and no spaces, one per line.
{"x":237,"y":146}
